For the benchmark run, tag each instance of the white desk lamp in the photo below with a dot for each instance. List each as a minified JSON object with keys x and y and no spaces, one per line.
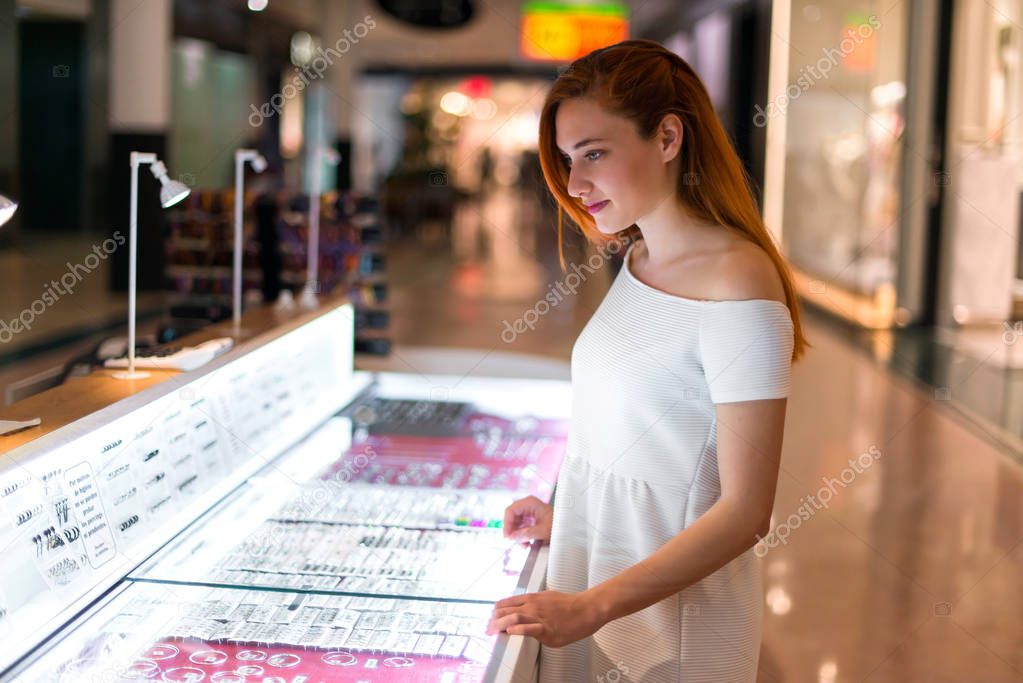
{"x":312,"y":284}
{"x":171,"y":192}
{"x":258,"y":165}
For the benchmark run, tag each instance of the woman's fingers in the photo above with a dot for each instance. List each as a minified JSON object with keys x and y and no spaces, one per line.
{"x":500,"y":613}
{"x":535,"y":630}
{"x":523,"y":511}
{"x":512,"y":516}
{"x":509,"y":611}
{"x":514,"y":619}
{"x":525,"y":533}
{"x":513,"y":601}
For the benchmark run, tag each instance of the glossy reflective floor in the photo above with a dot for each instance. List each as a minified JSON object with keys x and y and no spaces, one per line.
{"x":912,"y":569}
{"x":978,"y":369}
{"x":912,"y":572}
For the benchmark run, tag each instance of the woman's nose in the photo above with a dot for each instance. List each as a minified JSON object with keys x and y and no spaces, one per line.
{"x":577,"y":184}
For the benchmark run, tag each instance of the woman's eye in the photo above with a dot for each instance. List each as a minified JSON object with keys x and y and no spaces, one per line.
{"x":594,"y":155}
{"x":568,"y":161}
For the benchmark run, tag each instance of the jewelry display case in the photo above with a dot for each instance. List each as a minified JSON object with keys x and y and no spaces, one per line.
{"x":276,"y":516}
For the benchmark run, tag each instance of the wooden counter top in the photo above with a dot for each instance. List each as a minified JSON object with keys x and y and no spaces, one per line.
{"x":83,"y":396}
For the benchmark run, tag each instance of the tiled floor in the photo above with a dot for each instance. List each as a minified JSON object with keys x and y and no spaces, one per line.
{"x":911,"y":572}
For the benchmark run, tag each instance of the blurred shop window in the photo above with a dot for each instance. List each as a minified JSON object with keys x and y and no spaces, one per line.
{"x":993,"y":120}
{"x":845,"y":117}
{"x":211,"y":94}
{"x":711,"y":46}
{"x":1004,"y":118}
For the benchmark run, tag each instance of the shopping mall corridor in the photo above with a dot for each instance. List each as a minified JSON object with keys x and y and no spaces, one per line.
{"x":904,"y":566}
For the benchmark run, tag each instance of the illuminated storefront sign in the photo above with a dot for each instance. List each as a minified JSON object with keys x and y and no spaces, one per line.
{"x":553,"y":31}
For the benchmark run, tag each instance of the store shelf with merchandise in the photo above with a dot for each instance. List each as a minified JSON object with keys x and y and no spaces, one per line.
{"x":200,"y":244}
{"x":275,"y":510}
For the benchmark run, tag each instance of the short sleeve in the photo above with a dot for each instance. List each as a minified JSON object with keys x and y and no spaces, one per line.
{"x":746,"y":350}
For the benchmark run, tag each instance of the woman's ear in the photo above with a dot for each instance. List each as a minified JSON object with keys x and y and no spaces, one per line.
{"x":669,"y":137}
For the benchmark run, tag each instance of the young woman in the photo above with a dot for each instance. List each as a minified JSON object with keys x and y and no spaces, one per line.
{"x":679,"y":380}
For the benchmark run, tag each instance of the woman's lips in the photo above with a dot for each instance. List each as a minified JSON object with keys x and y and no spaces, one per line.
{"x":594,"y":208}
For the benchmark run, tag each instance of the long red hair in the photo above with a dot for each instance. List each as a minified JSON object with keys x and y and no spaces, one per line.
{"x":643,"y":81}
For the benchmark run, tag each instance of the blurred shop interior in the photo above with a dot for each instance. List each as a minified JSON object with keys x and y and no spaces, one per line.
{"x":884,"y":141}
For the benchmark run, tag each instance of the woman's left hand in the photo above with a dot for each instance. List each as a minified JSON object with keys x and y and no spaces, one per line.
{"x":555,"y":619}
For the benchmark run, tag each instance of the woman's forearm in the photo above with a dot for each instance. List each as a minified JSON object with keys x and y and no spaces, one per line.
{"x":723,"y":533}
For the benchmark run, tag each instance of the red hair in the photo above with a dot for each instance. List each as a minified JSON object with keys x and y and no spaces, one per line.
{"x":643,"y":81}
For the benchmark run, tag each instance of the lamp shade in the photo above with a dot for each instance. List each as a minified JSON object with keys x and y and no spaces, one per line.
{"x":7,"y":208}
{"x":172,"y":192}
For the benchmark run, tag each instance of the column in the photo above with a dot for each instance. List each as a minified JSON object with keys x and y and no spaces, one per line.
{"x":140,"y":62}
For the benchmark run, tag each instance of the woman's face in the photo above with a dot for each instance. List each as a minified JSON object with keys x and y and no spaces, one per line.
{"x":617,"y":175}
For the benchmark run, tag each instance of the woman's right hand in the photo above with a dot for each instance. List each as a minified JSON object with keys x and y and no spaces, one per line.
{"x":527,"y":519}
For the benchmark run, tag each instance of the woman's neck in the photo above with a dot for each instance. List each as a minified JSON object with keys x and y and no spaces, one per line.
{"x":671,"y":232}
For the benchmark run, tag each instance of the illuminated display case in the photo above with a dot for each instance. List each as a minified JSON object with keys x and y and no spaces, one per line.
{"x":278,"y":517}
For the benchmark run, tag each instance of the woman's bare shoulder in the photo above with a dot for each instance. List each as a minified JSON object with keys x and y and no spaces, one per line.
{"x":745,"y":271}
{"x":730,"y":269}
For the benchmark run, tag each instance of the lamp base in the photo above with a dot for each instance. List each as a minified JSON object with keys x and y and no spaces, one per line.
{"x":285,"y":301}
{"x":127,"y":374}
{"x":308,"y":298}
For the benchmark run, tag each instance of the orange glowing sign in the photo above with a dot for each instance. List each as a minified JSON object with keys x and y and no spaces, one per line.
{"x":559,"y":32}
{"x":858,"y":45}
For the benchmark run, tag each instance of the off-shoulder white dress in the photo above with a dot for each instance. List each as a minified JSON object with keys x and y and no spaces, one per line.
{"x":641,"y":466}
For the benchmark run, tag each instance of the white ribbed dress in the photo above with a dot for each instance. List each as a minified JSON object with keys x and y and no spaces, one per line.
{"x":641,"y":466}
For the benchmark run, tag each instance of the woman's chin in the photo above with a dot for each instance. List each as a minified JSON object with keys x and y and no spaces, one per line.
{"x":610,"y":227}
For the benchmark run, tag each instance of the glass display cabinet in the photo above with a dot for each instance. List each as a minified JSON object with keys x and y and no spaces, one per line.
{"x":277,"y":517}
